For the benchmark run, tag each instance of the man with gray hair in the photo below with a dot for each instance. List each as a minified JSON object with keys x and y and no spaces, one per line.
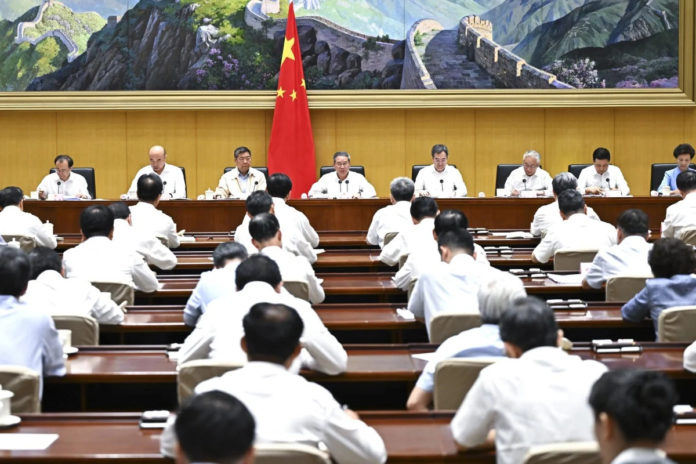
{"x":495,"y":296}
{"x":529,"y":179}
{"x":342,"y":183}
{"x":239,"y":182}
{"x":395,"y":217}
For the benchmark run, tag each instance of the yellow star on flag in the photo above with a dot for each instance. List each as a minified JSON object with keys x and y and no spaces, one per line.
{"x":293,"y":95}
{"x":287,"y":50}
{"x":281,"y":92}
{"x":303,"y":84}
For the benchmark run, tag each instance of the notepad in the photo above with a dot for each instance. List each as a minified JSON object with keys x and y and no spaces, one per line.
{"x":26,"y":441}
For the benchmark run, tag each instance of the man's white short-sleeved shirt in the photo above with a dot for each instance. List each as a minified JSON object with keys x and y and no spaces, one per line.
{"x":173,"y":182}
{"x":445,"y":184}
{"x":612,"y":178}
{"x":578,"y":232}
{"x":630,"y":257}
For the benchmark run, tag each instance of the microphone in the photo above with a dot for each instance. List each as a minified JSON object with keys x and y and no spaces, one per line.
{"x":340,"y":185}
{"x":347,"y":182}
{"x":58,"y":183}
{"x":442,"y":185}
{"x":524,"y":182}
{"x":255,"y":184}
{"x":608,"y":183}
{"x":454,"y":190}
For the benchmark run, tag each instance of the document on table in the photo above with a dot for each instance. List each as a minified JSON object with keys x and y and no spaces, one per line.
{"x":568,"y":279}
{"x":26,"y":441}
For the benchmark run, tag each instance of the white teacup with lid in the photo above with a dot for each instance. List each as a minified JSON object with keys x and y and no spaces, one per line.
{"x":6,"y":417}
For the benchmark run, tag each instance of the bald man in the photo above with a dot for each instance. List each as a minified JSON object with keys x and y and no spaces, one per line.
{"x":172,"y":176}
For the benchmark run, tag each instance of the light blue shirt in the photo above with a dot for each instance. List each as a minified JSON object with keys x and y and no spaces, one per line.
{"x":670,"y":179}
{"x":28,"y":338}
{"x":659,"y":294}
{"x":211,"y":286}
{"x":479,"y":341}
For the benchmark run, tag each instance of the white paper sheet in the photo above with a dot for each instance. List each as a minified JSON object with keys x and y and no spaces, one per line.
{"x":423,"y":356}
{"x":26,"y":441}
{"x":569,"y":279}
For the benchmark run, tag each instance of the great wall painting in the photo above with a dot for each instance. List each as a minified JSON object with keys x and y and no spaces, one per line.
{"x":346,"y":44}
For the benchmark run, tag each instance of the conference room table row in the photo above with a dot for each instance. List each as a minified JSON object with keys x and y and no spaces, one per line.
{"x":352,"y":215}
{"x":409,"y":438}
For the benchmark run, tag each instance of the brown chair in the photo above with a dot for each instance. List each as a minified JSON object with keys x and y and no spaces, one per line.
{"x":569,"y":260}
{"x":623,"y":288}
{"x":564,"y":453}
{"x":455,"y":377}
{"x":297,"y":289}
{"x":677,"y":324}
{"x":191,"y":373}
{"x":445,"y":325}
{"x":295,"y":453}
{"x":24,"y":383}
{"x":85,"y":329}
{"x":26,"y":242}
{"x":119,"y":292}
{"x":688,"y":235}
{"x":388,"y":237}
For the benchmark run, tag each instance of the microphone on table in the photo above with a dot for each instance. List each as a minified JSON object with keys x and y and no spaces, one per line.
{"x":255,"y":184}
{"x":340,"y":185}
{"x":524,"y":182}
{"x":347,"y":182}
{"x":608,"y":183}
{"x":442,"y":184}
{"x":454,"y":190}
{"x":58,"y":183}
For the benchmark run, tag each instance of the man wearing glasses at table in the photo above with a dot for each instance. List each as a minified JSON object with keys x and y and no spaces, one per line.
{"x":242,"y":180}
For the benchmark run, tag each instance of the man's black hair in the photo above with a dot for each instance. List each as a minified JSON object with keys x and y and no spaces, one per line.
{"x":670,"y":256}
{"x":257,"y":268}
{"x":528,"y":324}
{"x":272,"y":332}
{"x":279,"y":185}
{"x":96,"y":221}
{"x":263,"y":227}
{"x":423,"y":207}
{"x":149,"y":187}
{"x":15,"y":271}
{"x":258,"y":202}
{"x":571,"y":202}
{"x":44,"y":259}
{"x":228,"y":251}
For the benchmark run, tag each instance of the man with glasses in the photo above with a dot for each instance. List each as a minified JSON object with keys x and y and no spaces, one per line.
{"x":63,"y":181}
{"x":440,"y":180}
{"x":529,"y":179}
{"x":342,"y":183}
{"x":242,"y":180}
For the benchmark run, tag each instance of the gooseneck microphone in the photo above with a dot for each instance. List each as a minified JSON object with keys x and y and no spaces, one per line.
{"x":524,"y":182}
{"x":442,"y":185}
{"x":347,"y":182}
{"x":256,"y":183}
{"x":340,"y":185}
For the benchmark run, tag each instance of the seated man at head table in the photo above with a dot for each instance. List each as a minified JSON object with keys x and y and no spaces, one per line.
{"x":279,"y":187}
{"x":172,"y":176}
{"x":14,"y":221}
{"x":601,"y":176}
{"x":216,"y":283}
{"x":146,"y":218}
{"x":628,"y":257}
{"x":343,"y":183}
{"x":690,"y":358}
{"x":673,"y":264}
{"x":634,"y":411}
{"x":293,"y":238}
{"x":528,"y":178}
{"x":100,"y":260}
{"x":56,"y":295}
{"x":423,"y":256}
{"x":28,"y":336}
{"x":287,"y":408}
{"x":681,"y":214}
{"x":63,"y":182}
{"x":140,"y":240}
{"x":494,"y":297}
{"x":577,"y":231}
{"x":266,"y":236}
{"x":395,"y":217}
{"x":219,"y":329}
{"x":684,"y":154}
{"x":440,"y":180}
{"x":242,"y":179}
{"x":548,"y":215}
{"x":213,"y":427}
{"x":538,"y":396}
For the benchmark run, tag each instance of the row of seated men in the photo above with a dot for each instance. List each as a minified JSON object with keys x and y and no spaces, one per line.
{"x":538,"y":395}
{"x":439,"y":180}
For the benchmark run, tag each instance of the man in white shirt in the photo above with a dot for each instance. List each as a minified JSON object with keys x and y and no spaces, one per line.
{"x":242,"y":180}
{"x":219,"y":330}
{"x":423,"y":211}
{"x":99,"y":259}
{"x":14,"y":221}
{"x":279,"y":187}
{"x":172,"y":176}
{"x":343,"y":183}
{"x":146,"y":218}
{"x":440,"y":180}
{"x":548,"y":215}
{"x":601,"y":176}
{"x":529,"y":179}
{"x":216,"y":283}
{"x":495,"y":296}
{"x":293,"y":238}
{"x":28,"y":336}
{"x":633,"y":412}
{"x":140,"y":240}
{"x":395,"y":217}
{"x":576,"y":232}
{"x":63,"y":182}
{"x":51,"y":292}
{"x":452,"y":285}
{"x":286,"y":407}
{"x":629,"y":257}
{"x":265,"y":235}
{"x":538,"y":397}
{"x":681,"y":214}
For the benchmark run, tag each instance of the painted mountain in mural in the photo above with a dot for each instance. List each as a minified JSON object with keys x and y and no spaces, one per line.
{"x":13,"y":9}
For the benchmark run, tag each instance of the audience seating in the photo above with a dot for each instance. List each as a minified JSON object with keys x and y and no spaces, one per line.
{"x":296,"y":453}
{"x":502,"y":173}
{"x":327,"y":169}
{"x":415,"y":169}
{"x":192,"y":373}
{"x":657,"y":173}
{"x":688,"y":235}
{"x":263,"y":169}
{"x":445,"y":325}
{"x":26,"y":243}
{"x":677,"y":324}
{"x":623,"y":288}
{"x":569,"y":260}
{"x":183,"y":171}
{"x":454,"y":378}
{"x":88,"y":174}
{"x":119,"y":292}
{"x":85,"y":329}
{"x":297,"y":289}
{"x":564,"y":453}
{"x":575,"y":169}
{"x":25,"y":384}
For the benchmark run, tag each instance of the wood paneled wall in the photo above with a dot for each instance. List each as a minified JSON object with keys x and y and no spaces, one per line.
{"x":387,"y":142}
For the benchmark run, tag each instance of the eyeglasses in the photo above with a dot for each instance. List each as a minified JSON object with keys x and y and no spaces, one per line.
{"x":244,"y":158}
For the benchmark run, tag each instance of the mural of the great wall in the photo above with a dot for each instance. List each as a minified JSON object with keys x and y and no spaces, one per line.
{"x":346,"y":44}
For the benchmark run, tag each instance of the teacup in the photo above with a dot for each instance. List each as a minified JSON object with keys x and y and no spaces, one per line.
{"x":65,"y":337}
{"x":5,"y":404}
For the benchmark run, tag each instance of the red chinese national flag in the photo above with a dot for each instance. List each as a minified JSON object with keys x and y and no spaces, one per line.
{"x":291,"y":149}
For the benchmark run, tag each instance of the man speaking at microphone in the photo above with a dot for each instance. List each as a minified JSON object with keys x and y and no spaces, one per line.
{"x":440,"y":180}
{"x":241,"y":181}
{"x":63,"y":182}
{"x":343,"y":183}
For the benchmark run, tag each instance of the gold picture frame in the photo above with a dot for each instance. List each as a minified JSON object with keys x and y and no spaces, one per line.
{"x":373,"y":99}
